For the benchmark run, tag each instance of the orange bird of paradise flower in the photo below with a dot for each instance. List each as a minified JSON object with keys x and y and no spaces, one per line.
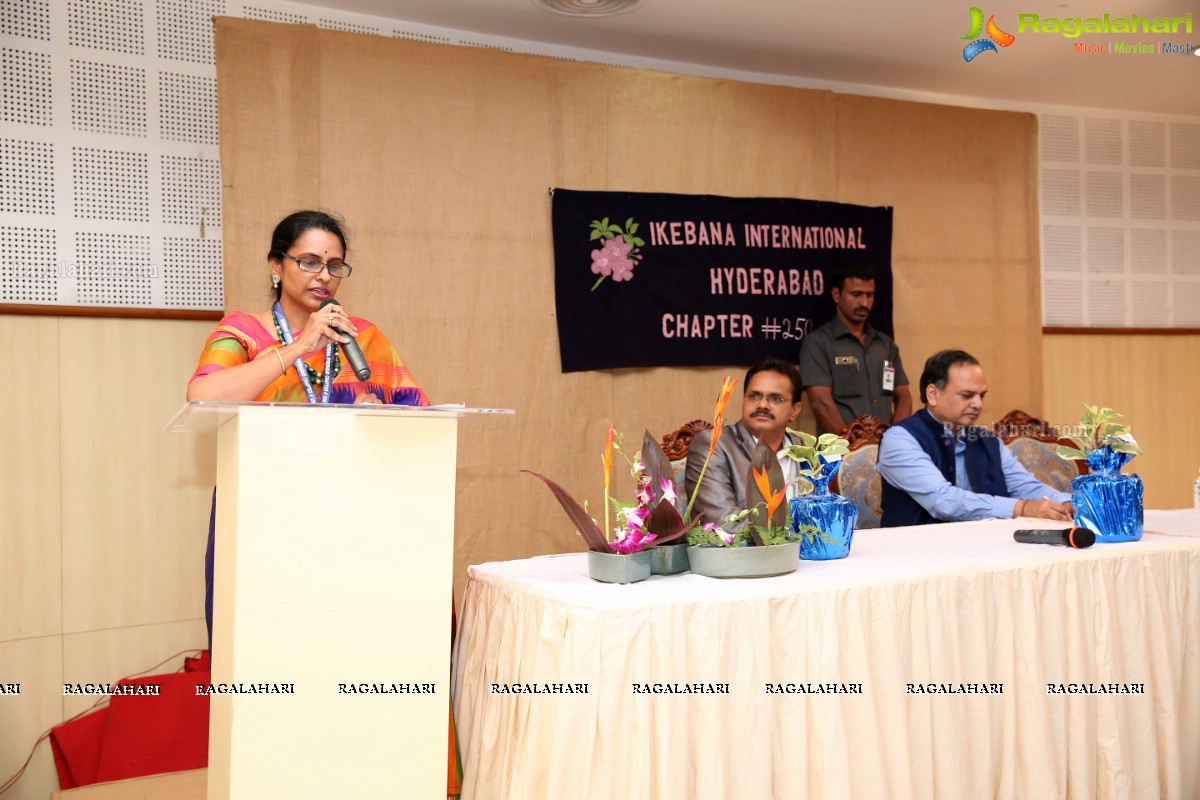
{"x":727,"y":387}
{"x":764,"y":487}
{"x":723,"y":400}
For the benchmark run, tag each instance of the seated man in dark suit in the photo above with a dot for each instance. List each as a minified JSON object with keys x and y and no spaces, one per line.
{"x":771,"y":401}
{"x":937,"y":467}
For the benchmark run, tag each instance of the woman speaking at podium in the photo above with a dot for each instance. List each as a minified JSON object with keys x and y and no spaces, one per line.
{"x":289,"y":353}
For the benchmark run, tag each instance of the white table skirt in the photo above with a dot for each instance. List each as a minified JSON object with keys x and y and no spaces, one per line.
{"x":947,"y":605}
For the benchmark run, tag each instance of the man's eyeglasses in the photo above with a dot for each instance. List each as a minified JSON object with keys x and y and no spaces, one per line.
{"x":775,"y":400}
{"x":337,"y":269}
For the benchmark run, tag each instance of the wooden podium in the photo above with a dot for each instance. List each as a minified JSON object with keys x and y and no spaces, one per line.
{"x":331,"y":608}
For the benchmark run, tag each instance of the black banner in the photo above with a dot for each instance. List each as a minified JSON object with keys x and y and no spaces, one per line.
{"x":652,"y":280}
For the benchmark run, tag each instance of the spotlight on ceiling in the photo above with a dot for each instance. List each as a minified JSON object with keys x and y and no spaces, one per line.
{"x":588,"y":8}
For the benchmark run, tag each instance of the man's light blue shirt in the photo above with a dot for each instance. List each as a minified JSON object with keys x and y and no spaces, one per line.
{"x":906,"y":466}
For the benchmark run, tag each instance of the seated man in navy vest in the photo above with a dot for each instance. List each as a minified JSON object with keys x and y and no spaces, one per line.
{"x":937,"y":467}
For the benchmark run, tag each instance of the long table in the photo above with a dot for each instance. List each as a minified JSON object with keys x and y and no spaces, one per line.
{"x":943,"y":661}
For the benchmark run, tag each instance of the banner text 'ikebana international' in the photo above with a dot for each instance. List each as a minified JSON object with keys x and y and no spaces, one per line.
{"x":654,"y":280}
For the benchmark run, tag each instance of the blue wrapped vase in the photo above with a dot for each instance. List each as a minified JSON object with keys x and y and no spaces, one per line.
{"x":1106,"y":501}
{"x":832,"y":514}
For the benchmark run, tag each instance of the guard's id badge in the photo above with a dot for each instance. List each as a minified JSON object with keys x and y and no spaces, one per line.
{"x":889,"y":376}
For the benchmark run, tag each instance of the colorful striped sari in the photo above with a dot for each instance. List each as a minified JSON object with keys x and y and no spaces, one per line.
{"x":241,"y":338}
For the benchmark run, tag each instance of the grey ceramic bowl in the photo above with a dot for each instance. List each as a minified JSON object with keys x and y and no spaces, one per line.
{"x":669,"y":559}
{"x":617,"y":567}
{"x":744,"y":562}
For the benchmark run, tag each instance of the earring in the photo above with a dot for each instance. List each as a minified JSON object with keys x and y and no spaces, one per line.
{"x":274,"y":281}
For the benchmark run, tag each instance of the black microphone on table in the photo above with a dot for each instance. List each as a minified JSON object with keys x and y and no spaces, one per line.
{"x":1066,"y":537}
{"x":351,"y":350}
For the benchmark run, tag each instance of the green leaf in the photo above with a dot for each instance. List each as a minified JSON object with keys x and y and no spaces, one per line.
{"x":808,"y":439}
{"x":636,"y":241}
{"x":811,"y":532}
{"x":631,"y":226}
{"x":772,"y":535}
{"x":801,"y":454}
{"x":598,"y":282}
{"x":1070,"y":453}
{"x":595,"y":235}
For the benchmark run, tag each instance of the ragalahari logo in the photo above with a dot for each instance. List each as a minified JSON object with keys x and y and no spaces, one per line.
{"x":995,"y":36}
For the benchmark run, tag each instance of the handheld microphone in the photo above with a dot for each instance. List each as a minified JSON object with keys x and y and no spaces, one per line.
{"x":353,"y":353}
{"x":1067,"y":537}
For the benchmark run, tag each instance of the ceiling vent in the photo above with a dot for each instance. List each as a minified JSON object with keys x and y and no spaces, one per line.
{"x":588,"y":8}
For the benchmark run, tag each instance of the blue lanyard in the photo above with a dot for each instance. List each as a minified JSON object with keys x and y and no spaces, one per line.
{"x":327,"y":383}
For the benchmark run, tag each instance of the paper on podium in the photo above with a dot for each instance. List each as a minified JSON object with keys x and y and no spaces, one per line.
{"x":206,"y":416}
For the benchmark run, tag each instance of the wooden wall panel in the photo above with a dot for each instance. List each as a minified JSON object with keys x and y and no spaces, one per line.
{"x":105,"y":516}
{"x":135,"y":498}
{"x":30,"y":490}
{"x":1150,"y":379}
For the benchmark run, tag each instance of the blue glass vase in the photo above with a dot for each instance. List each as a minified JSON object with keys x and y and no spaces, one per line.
{"x":1106,"y":501}
{"x":832,"y":514}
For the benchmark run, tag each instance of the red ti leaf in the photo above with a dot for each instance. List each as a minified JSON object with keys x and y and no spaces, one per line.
{"x":664,"y":521}
{"x":588,"y":529}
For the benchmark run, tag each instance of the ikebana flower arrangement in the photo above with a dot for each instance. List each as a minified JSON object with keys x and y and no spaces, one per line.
{"x":640,"y":524}
{"x":1107,"y":502}
{"x":764,"y":521}
{"x":652,"y":519}
{"x":824,"y":521}
{"x":756,"y":542}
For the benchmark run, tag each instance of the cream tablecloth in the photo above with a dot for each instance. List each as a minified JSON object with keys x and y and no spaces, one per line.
{"x":954,"y":606}
{"x":1177,"y":522}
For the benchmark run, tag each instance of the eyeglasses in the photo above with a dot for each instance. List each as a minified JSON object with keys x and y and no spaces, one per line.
{"x":774,"y":400}
{"x":337,"y":269}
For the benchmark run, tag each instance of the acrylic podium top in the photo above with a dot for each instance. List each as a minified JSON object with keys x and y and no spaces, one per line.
{"x":206,"y":416}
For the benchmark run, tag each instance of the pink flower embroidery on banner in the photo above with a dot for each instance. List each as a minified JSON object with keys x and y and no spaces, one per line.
{"x":612,"y":260}
{"x":619,"y":250}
